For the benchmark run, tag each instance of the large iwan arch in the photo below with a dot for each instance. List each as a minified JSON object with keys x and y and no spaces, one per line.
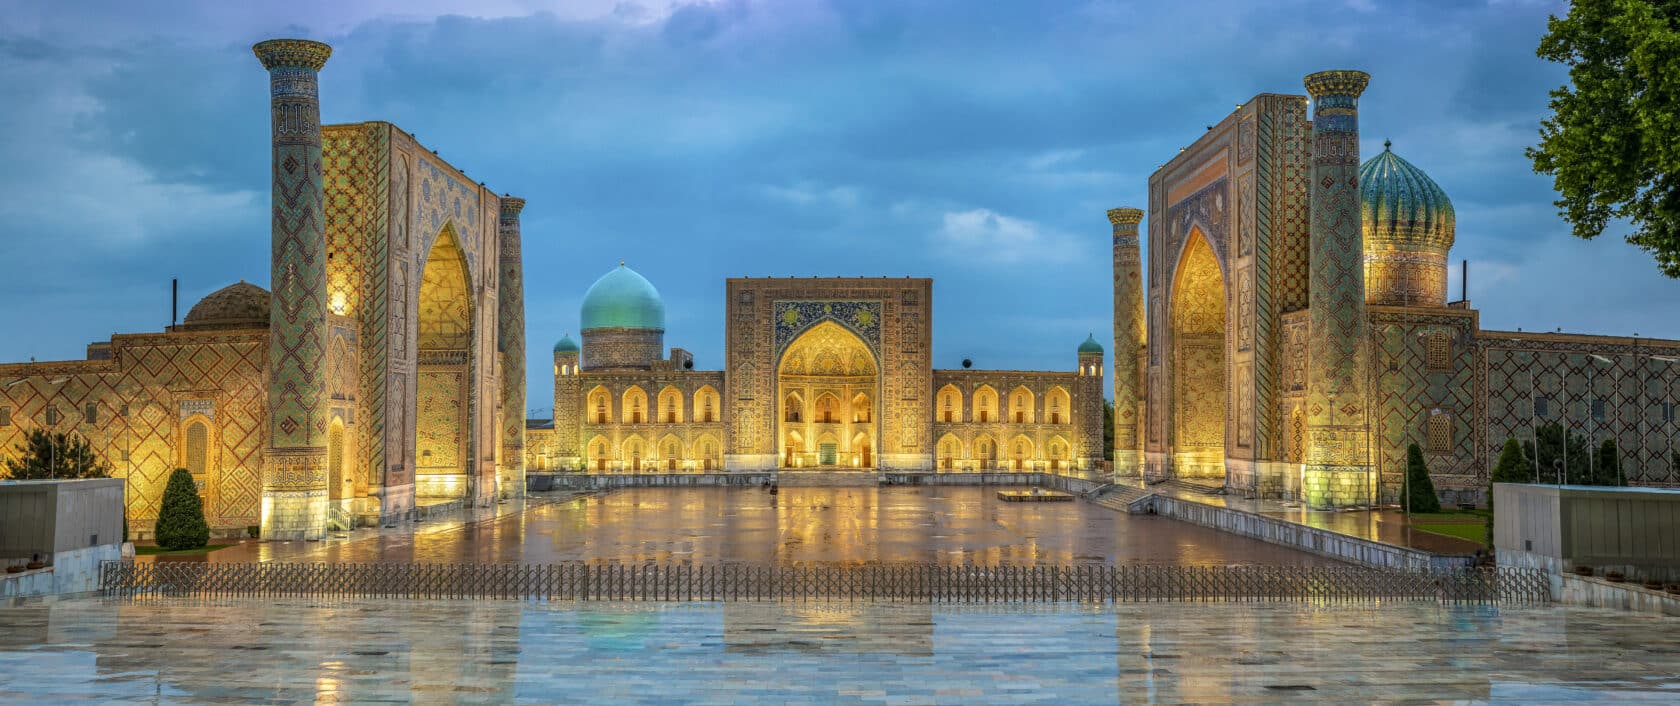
{"x":1197,"y":321}
{"x":444,"y":410}
{"x":833,"y":372}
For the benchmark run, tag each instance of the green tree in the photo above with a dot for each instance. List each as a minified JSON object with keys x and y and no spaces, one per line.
{"x":44,"y":454}
{"x":1608,"y":469}
{"x":1573,"y":466}
{"x":180,"y":523}
{"x":1512,"y":467}
{"x":1612,"y":144}
{"x":1420,"y":491}
{"x":1108,"y":430}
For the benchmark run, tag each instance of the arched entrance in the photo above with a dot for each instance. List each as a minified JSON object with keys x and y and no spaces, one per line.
{"x":444,"y":338}
{"x":336,"y":491}
{"x":827,"y":380}
{"x":1197,"y":320}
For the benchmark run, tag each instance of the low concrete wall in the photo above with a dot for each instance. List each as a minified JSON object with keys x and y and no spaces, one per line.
{"x":603,"y":481}
{"x":74,"y":571}
{"x":1310,"y":539}
{"x":593,"y":481}
{"x":1570,"y":589}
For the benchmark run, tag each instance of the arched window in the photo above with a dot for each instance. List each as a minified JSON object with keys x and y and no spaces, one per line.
{"x":1440,"y":434}
{"x":985,"y":405}
{"x":861,"y":409}
{"x":196,"y":457}
{"x":792,"y":409}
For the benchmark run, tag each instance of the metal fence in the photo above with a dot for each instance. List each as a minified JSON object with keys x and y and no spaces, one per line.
{"x":824,"y":582}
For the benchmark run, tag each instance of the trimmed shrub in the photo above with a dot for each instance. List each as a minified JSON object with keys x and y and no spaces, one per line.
{"x":1609,"y":467}
{"x":180,"y":522}
{"x":1420,"y":494}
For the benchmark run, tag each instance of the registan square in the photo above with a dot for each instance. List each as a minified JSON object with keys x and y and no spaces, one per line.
{"x":840,"y":352}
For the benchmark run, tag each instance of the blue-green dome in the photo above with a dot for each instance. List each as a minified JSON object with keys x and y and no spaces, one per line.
{"x":1403,"y":209}
{"x":1090,"y":345}
{"x":566,"y":345}
{"x":623,"y":299}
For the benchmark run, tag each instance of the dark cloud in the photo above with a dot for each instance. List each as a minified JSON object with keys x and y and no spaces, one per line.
{"x":977,"y":143}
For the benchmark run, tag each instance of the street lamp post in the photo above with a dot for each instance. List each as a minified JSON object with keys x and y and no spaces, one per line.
{"x":1593,"y":405}
{"x":1644,"y":426}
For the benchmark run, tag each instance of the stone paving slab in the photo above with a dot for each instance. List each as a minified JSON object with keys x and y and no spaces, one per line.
{"x":915,"y":524}
{"x":291,"y":651}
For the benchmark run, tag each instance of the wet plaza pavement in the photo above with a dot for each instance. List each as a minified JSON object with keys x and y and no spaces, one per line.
{"x":288,"y":651}
{"x":955,"y":524}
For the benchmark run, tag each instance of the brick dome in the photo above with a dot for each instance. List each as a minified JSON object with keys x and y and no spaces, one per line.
{"x":234,"y":306}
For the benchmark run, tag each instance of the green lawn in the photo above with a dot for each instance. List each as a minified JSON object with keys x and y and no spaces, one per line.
{"x":1473,"y":531}
{"x":160,"y":551}
{"x":1451,"y":515}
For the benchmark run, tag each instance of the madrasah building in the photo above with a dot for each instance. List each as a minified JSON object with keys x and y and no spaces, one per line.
{"x":821,"y":374}
{"x":380,"y":375}
{"x":1290,"y":334}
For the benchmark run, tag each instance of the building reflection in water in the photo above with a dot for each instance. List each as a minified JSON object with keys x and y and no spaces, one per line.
{"x":502,"y":651}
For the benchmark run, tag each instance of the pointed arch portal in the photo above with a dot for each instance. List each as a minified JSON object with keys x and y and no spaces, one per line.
{"x":832,"y":372}
{"x":1197,"y":320}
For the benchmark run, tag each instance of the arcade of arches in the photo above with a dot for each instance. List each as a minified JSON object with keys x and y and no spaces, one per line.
{"x":1198,"y":335}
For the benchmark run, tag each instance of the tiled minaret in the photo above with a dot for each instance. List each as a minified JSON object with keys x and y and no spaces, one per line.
{"x":1128,"y":340}
{"x":294,"y":484}
{"x":1338,"y":471}
{"x":510,"y":338}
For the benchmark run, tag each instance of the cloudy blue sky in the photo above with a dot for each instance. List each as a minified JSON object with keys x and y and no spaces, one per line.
{"x":978,"y":143}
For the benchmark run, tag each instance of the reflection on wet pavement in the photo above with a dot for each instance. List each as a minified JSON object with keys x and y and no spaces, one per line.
{"x":853,"y":524}
{"x":286,"y":651}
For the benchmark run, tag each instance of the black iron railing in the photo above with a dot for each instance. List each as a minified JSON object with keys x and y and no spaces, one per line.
{"x":824,"y":582}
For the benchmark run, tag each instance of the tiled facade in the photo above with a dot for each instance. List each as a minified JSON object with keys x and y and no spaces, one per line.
{"x":1233,"y":296}
{"x":383,"y":335}
{"x":822,"y":373}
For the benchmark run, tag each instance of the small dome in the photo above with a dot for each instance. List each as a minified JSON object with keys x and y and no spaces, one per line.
{"x":236,"y":305}
{"x":1090,"y":345}
{"x":623,"y":299}
{"x":566,"y":345}
{"x":1403,"y":209}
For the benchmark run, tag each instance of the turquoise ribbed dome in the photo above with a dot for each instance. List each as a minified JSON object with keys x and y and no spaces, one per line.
{"x":1403,"y":209}
{"x":566,"y":345}
{"x":1090,"y":345}
{"x":623,"y":299}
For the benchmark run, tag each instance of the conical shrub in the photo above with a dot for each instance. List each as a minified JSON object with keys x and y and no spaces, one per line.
{"x":181,"y":523}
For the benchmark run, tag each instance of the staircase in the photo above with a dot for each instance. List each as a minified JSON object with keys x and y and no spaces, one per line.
{"x":1120,"y":498}
{"x":827,"y":478}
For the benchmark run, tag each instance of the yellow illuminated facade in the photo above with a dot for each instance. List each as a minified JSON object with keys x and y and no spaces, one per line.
{"x":370,"y":381}
{"x":822,"y":373}
{"x":1300,"y":336}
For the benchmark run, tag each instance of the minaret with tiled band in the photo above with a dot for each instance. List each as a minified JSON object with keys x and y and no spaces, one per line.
{"x":1338,"y":467}
{"x":1128,"y":340}
{"x":294,"y":482}
{"x":510,"y":338}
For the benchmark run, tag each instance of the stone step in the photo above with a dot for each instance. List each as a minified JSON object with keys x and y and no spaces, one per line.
{"x":794,"y":479}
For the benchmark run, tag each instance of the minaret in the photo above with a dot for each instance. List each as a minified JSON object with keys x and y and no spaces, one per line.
{"x":510,"y":338}
{"x":569,"y":412}
{"x":1338,"y":470}
{"x":294,"y":485}
{"x":1128,"y":340}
